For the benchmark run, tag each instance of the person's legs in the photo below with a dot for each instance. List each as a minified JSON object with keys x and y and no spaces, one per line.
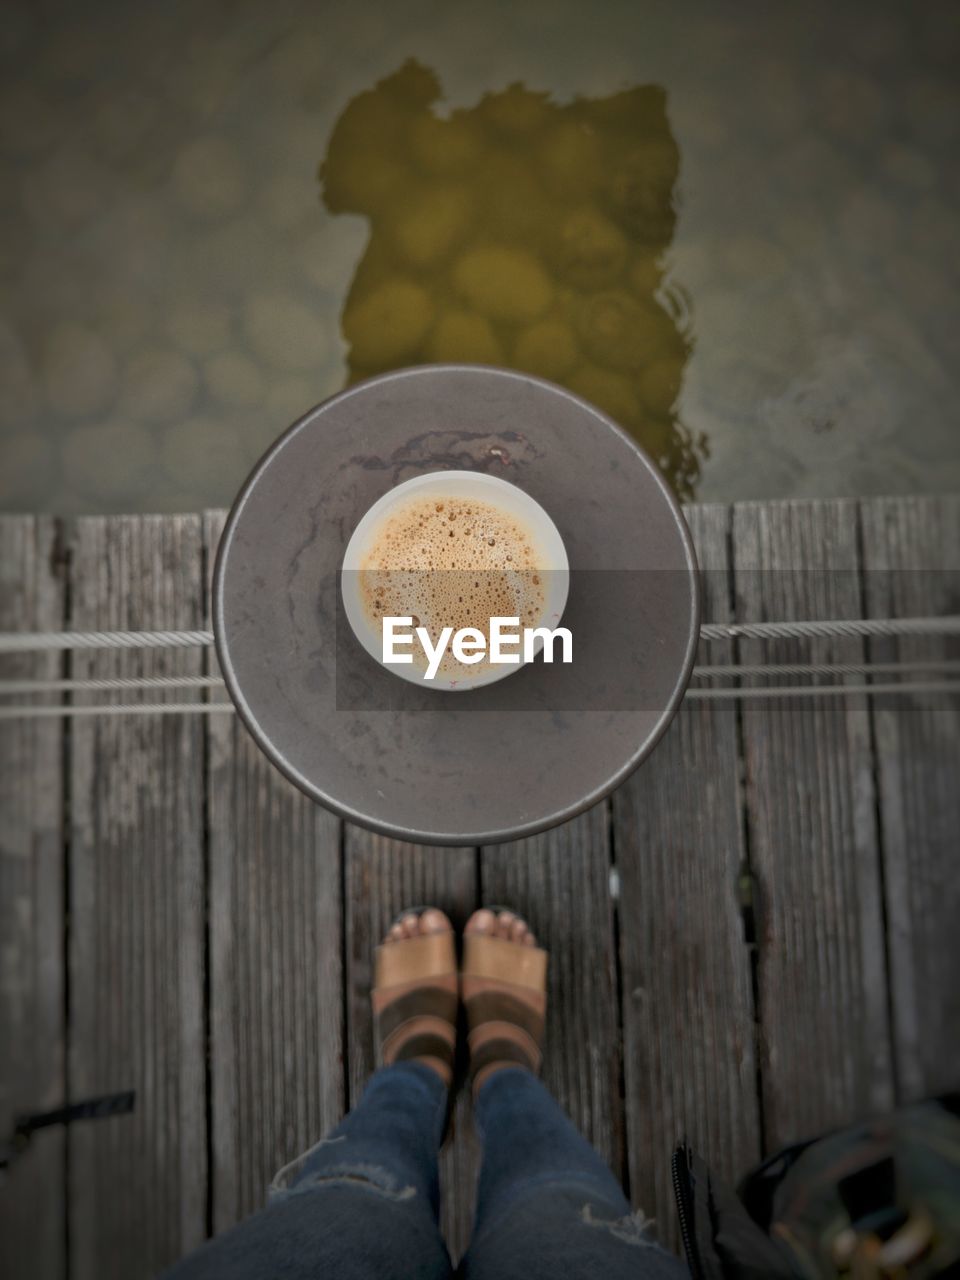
{"x":547,"y":1205}
{"x":363,"y":1203}
{"x":360,"y":1204}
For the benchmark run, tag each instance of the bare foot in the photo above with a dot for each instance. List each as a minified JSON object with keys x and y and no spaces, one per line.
{"x":503,"y":924}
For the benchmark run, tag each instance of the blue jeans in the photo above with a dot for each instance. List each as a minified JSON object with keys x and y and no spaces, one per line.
{"x":363,"y":1203}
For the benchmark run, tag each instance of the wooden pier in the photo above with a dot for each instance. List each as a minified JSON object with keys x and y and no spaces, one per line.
{"x":753,"y":939}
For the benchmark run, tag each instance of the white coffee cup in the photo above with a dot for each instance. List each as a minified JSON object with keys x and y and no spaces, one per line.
{"x":549,"y":551}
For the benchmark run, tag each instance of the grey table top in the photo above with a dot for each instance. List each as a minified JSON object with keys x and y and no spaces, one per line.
{"x":497,"y":762}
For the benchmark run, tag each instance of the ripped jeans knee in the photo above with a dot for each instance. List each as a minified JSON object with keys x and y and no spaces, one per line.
{"x":323,"y":1165}
{"x":632,"y":1228}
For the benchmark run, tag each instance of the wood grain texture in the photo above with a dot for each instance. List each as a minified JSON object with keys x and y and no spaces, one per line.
{"x":138,"y":1183}
{"x":812,"y":833}
{"x":688,"y":1017}
{"x":291,"y":929}
{"x":560,"y":883}
{"x":32,"y":1205}
{"x":275,"y":991}
{"x":911,"y":551}
{"x":383,"y":877}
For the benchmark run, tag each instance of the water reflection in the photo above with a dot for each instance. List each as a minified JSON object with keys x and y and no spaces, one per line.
{"x":518,"y":232}
{"x":172,"y":286}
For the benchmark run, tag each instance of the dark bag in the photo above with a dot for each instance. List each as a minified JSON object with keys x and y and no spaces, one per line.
{"x":877,"y":1200}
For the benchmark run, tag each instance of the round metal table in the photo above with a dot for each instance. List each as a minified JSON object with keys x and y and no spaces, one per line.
{"x":498,"y":762}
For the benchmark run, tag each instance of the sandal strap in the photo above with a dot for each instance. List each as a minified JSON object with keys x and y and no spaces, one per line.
{"x":415,"y":959}
{"x":503,"y":986}
{"x":499,"y":1033}
{"x":490,"y":1004}
{"x":497,"y":1050}
{"x":418,"y":1037}
{"x":504,"y":961}
{"x":392,"y":1012}
{"x":415,"y":999}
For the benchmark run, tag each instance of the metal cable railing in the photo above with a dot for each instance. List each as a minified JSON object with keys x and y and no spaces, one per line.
{"x":24,"y":642}
{"x":28,"y":641}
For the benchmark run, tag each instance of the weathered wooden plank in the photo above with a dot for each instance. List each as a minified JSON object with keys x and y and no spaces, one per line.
{"x":32,"y":1210}
{"x":382,"y":878}
{"x":812,"y":832}
{"x":688,"y":1017}
{"x":137,"y":1184}
{"x":560,"y":883}
{"x":275,"y":992}
{"x":911,"y":552}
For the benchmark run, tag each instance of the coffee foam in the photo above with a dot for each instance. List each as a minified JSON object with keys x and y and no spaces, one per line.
{"x":452,"y":562}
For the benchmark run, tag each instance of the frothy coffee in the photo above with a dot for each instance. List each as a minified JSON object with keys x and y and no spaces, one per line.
{"x":452,"y":562}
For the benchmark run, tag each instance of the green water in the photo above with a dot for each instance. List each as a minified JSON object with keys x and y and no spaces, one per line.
{"x":734,"y":228}
{"x":521,"y":232}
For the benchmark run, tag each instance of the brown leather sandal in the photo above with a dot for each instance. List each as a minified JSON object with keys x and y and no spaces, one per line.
{"x":415,"y":999}
{"x":503,"y":986}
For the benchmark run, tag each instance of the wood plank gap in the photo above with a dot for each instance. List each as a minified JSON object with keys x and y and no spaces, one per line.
{"x":688,"y":1017}
{"x":813,"y":840}
{"x":138,"y":1183}
{"x":911,"y":553}
{"x":382,"y":878}
{"x":878,"y":816}
{"x":206,"y":569}
{"x":560,"y":882}
{"x":749,"y":880}
{"x":614,"y":872}
{"x":62,"y":559}
{"x":33,"y":1001}
{"x":276,"y":997}
{"x":345,"y":1014}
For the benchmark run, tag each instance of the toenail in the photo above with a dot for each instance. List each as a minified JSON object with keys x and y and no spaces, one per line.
{"x":433,"y":922}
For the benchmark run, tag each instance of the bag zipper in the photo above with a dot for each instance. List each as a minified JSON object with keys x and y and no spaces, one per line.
{"x":681,"y":1192}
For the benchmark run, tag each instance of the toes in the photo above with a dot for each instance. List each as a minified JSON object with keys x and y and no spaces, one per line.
{"x":518,"y":930}
{"x":482,"y":921}
{"x":434,"y":921}
{"x":505,"y":924}
{"x":411,"y":925}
